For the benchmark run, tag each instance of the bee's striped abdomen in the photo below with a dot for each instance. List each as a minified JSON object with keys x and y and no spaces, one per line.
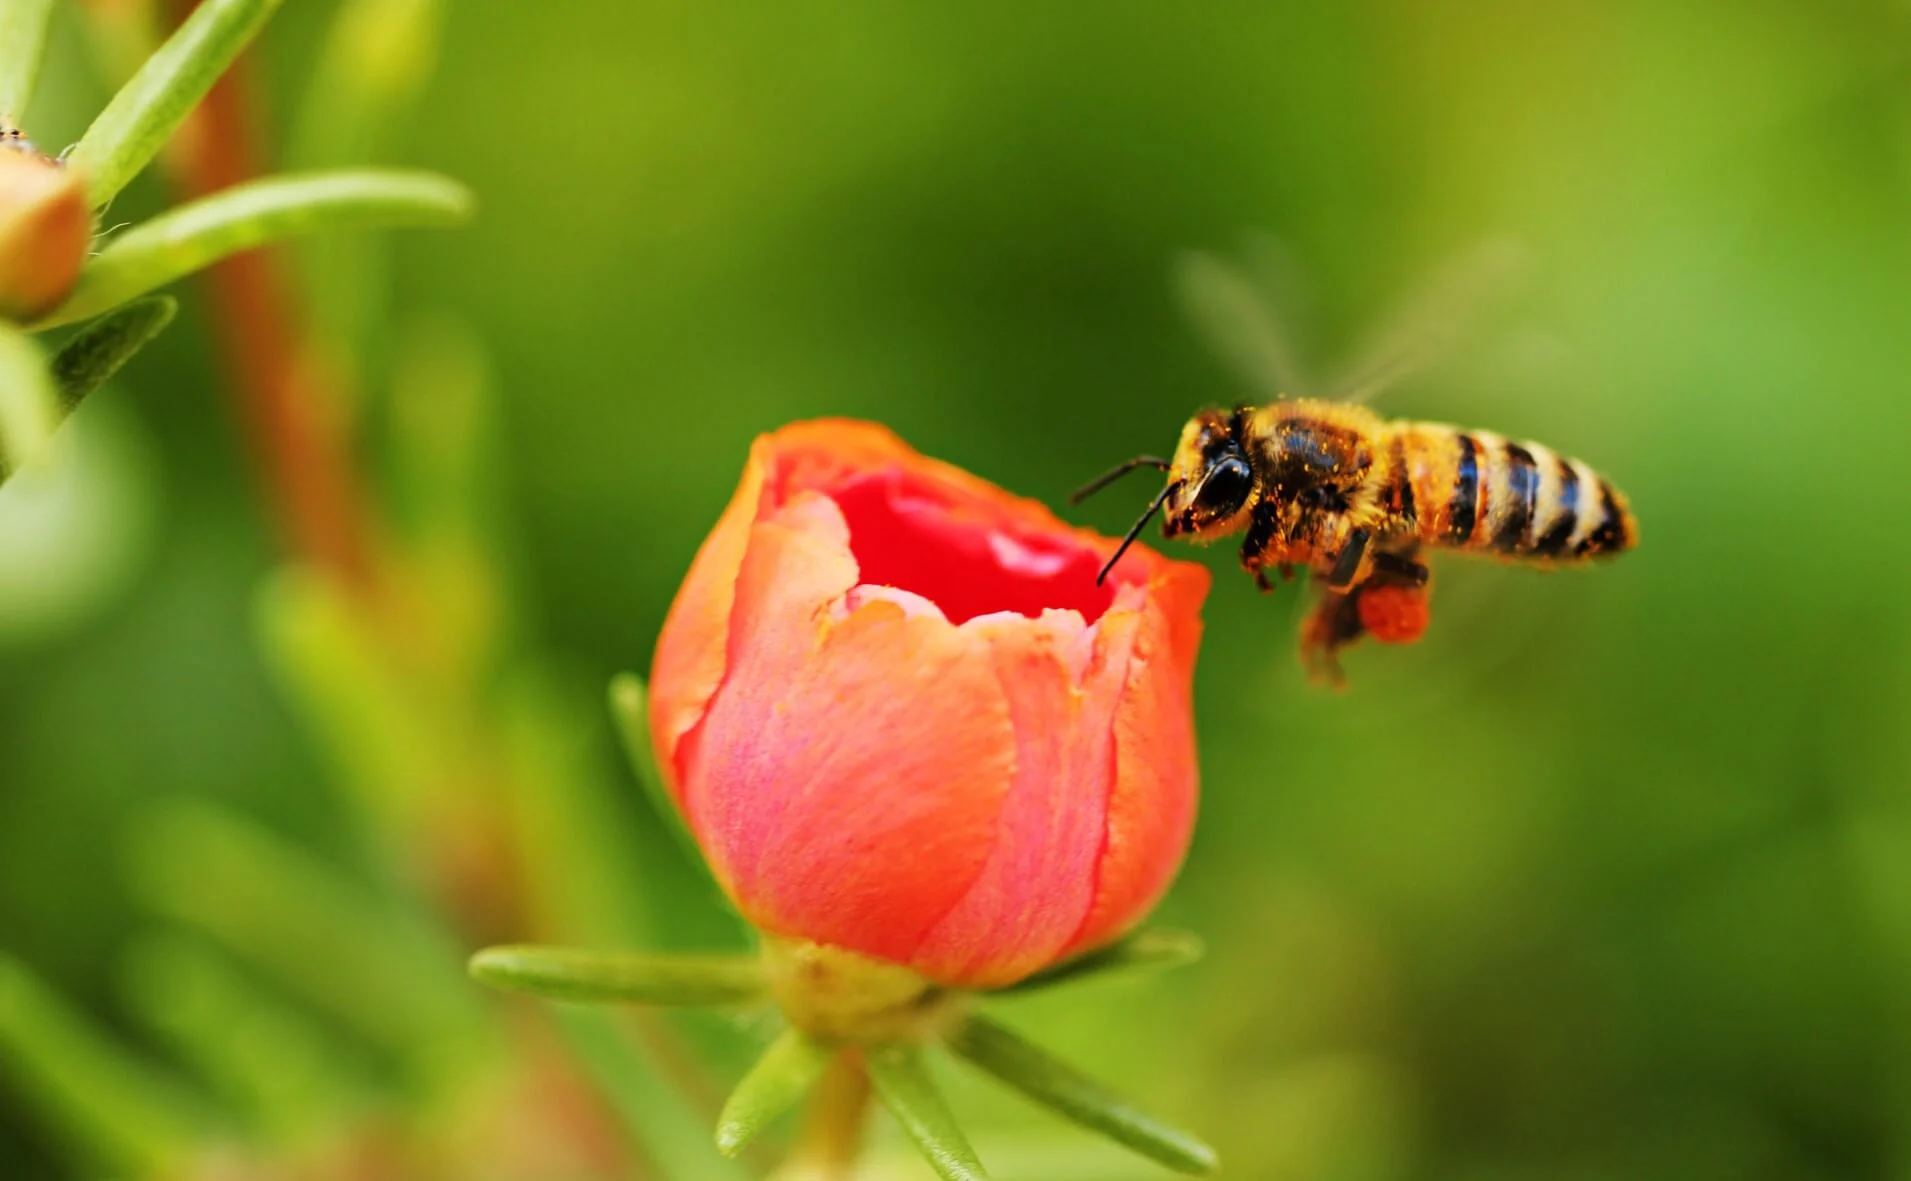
{"x":1478,"y":491}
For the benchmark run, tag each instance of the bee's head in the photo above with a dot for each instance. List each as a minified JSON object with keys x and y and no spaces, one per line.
{"x":1210,"y":482}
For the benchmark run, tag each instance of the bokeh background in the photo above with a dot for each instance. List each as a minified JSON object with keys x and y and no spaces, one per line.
{"x":1610,"y":877}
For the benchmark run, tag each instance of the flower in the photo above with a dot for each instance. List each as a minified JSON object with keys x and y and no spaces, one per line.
{"x":45,"y":232}
{"x":901,"y":718}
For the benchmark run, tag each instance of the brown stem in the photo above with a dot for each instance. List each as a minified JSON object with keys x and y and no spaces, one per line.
{"x":832,"y":1135}
{"x":289,"y":401}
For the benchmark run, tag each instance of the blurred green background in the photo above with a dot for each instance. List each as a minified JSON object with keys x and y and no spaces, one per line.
{"x":1608,"y":878}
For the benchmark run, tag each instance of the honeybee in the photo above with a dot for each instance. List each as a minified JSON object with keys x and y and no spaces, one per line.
{"x":1357,"y":499}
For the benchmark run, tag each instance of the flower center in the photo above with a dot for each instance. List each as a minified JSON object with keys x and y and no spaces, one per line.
{"x":920,"y":537}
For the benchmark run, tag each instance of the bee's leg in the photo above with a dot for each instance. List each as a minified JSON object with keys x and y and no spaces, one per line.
{"x":1333,"y":624}
{"x":1347,"y":562}
{"x":1401,"y":569}
{"x":1261,"y":528}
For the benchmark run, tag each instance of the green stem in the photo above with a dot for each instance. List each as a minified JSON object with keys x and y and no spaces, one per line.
{"x":146,"y":111}
{"x":22,"y":43}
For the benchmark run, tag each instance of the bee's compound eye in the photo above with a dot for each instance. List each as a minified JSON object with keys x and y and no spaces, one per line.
{"x":1226,"y":487}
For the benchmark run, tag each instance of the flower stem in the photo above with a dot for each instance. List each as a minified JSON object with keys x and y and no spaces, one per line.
{"x":832,"y":1135}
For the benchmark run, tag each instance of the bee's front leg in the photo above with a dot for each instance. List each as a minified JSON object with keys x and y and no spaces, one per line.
{"x":1263,"y":526}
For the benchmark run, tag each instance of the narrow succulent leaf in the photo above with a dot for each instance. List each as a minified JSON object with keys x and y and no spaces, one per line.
{"x":572,"y":974}
{"x":664,"y":1125}
{"x":28,"y":408}
{"x":22,"y":45}
{"x":90,"y":358}
{"x":1062,"y":1089}
{"x":902,"y":1079}
{"x":785,"y":1073}
{"x":196,"y":235}
{"x":278,"y":1070}
{"x":149,"y":108}
{"x":273,"y":905}
{"x":1155,"y":949}
{"x":114,"y":1110}
{"x":630,"y":710}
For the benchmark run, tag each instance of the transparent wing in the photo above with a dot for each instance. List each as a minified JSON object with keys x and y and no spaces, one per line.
{"x":1424,"y":327}
{"x":1234,"y":310}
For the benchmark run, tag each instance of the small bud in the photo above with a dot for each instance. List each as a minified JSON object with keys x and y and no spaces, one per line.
{"x":45,"y":231}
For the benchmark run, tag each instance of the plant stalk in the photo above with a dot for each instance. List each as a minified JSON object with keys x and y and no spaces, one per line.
{"x":832,"y":1135}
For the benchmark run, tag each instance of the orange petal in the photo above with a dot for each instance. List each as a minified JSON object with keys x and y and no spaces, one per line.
{"x":692,"y":650}
{"x":1063,"y":681}
{"x":1151,"y":809}
{"x":854,"y":800}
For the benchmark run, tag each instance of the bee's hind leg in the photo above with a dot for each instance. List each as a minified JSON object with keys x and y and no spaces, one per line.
{"x":1390,"y":605}
{"x":1399,"y":570}
{"x":1332,"y":624}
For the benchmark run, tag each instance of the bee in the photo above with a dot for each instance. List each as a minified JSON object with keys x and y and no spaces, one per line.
{"x":1359,"y":501}
{"x":14,"y":139}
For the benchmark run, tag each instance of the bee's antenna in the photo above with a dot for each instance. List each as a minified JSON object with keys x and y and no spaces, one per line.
{"x":1115,"y":473}
{"x":1134,"y":530}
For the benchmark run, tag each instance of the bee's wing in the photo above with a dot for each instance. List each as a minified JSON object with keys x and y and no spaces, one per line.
{"x":1424,"y":327}
{"x":1235,"y":312}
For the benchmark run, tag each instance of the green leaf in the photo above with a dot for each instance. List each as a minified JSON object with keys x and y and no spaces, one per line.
{"x":22,"y":44}
{"x":785,"y":1073}
{"x":112,"y":1107}
{"x":664,"y":1125}
{"x":197,"y":235}
{"x":1152,"y":950}
{"x":90,"y":358}
{"x":902,"y":1079}
{"x":28,"y":408}
{"x":573,"y":974}
{"x":1062,"y":1089}
{"x":149,"y":108}
{"x":313,"y":930}
{"x":270,"y":1062}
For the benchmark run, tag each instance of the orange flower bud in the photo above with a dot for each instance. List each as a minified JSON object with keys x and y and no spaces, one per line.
{"x":45,"y":231}
{"x":903,"y":720}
